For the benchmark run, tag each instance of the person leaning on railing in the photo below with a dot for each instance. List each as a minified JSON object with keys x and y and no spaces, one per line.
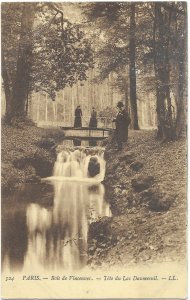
{"x":122,"y":122}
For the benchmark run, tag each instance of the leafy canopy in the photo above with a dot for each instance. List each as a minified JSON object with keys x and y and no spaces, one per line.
{"x":58,"y":52}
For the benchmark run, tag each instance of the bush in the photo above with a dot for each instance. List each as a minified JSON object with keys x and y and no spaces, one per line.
{"x":54,"y":133}
{"x":17,"y":121}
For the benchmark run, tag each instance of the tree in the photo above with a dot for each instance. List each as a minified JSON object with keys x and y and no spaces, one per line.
{"x":62,"y":58}
{"x":132,"y":68}
{"x":168,"y":54}
{"x":16,"y":50}
{"x":161,"y":57}
{"x":41,"y":50}
{"x":180,"y":23}
{"x":117,"y":25}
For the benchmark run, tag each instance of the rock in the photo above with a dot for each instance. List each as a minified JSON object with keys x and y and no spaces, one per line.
{"x":93,"y":166}
{"x":127,"y":157}
{"x":41,"y":160}
{"x":160,"y":203}
{"x":136,"y":165}
{"x":157,"y":199}
{"x":142,"y":182}
{"x":43,"y":164}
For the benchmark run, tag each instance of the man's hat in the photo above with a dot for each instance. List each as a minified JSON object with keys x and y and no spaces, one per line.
{"x":120,"y":104}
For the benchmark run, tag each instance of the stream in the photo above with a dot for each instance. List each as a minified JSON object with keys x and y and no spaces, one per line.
{"x":45,"y":225}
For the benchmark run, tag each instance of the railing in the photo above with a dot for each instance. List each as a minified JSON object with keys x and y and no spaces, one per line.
{"x":102,"y":122}
{"x":86,"y":132}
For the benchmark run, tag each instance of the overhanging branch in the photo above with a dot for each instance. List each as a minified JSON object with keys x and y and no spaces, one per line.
{"x":60,"y":11}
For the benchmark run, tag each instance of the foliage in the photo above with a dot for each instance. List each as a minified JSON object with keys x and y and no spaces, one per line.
{"x":54,"y":133}
{"x":62,"y":57}
{"x":112,"y":53}
{"x":40,"y":51}
{"x":146,"y":41}
{"x":23,"y":146}
{"x":11,"y":26}
{"x":108,"y":112}
{"x":161,"y":53}
{"x":117,"y":51}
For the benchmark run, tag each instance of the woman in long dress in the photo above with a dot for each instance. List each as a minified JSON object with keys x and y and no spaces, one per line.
{"x":93,"y":119}
{"x":78,"y":119}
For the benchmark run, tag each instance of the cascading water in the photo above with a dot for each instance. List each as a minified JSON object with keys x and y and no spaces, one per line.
{"x":57,"y":235}
{"x":80,"y":165}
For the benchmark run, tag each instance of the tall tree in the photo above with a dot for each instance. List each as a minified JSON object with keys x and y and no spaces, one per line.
{"x":41,"y":50}
{"x":166,"y":54}
{"x":181,"y":103}
{"x":159,"y":65}
{"x":23,"y":69}
{"x":132,"y":68}
{"x":117,"y":51}
{"x":161,"y":57}
{"x":17,"y":25}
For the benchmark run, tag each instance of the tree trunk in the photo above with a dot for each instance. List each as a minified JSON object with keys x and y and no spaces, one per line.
{"x":160,"y":69}
{"x":126,"y":97}
{"x":132,"y":70}
{"x":27,"y":104}
{"x":161,"y":33}
{"x":22,"y":80}
{"x":7,"y":88}
{"x":182,"y":86}
{"x":167,"y":69}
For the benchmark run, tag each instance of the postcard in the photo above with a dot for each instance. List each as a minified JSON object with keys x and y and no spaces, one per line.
{"x":94,"y":146}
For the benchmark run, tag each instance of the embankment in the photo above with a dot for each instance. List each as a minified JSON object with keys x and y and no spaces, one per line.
{"x":146,"y":187}
{"x":28,"y":153}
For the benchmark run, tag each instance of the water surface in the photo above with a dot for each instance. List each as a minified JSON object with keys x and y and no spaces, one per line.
{"x":45,"y":226}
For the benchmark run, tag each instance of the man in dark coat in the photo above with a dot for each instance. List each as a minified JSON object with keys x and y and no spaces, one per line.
{"x":122,"y":122}
{"x":78,"y":115}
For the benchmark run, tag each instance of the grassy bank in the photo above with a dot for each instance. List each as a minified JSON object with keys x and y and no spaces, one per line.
{"x":28,"y":153}
{"x":146,"y":187}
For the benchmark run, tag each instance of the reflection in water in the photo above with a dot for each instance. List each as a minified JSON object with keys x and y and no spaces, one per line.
{"x":13,"y":239}
{"x":56,"y":236}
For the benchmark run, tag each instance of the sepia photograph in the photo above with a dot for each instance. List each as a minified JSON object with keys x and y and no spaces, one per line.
{"x":94,"y":150}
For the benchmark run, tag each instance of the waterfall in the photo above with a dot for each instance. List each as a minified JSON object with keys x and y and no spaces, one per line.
{"x":56,"y":234}
{"x":80,"y":164}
